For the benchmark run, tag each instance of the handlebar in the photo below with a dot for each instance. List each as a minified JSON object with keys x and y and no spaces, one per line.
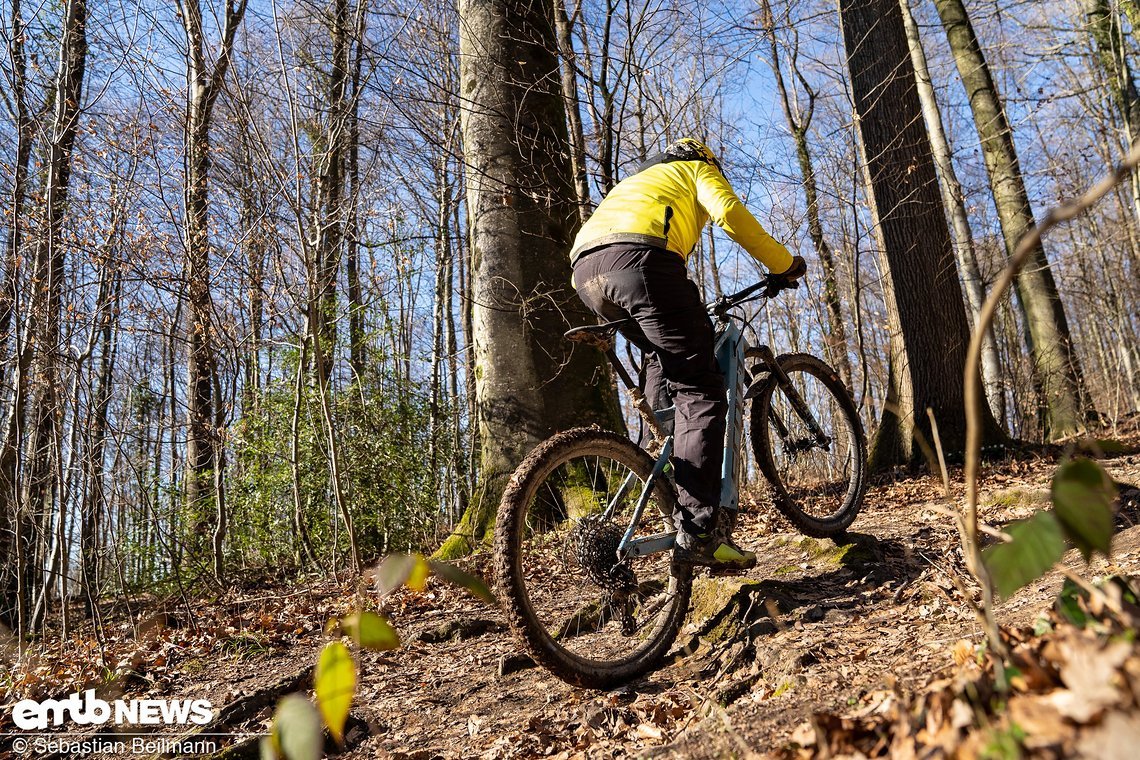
{"x":771,"y":286}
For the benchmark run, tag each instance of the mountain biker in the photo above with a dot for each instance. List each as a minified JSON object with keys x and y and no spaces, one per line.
{"x":629,"y":261}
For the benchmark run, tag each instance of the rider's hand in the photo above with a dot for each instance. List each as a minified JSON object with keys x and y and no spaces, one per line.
{"x":789,"y":278}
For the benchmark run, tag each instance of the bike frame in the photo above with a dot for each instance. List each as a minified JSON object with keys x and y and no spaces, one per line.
{"x":730,"y":349}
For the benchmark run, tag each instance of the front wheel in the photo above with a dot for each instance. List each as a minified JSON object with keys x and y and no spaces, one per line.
{"x":817,"y":472}
{"x":591,"y":619}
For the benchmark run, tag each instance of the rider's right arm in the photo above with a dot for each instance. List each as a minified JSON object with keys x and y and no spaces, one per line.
{"x":717,"y":197}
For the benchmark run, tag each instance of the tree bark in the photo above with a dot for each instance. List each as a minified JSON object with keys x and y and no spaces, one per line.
{"x":1057,"y":371}
{"x":562,"y":27}
{"x":924,"y":299}
{"x":95,"y":500}
{"x":25,"y":126}
{"x":954,"y":200}
{"x":1111,"y":58}
{"x":41,"y":333}
{"x":202,"y":438}
{"x":524,"y":214}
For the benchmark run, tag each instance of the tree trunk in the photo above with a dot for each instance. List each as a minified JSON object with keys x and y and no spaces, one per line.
{"x":562,"y":26}
{"x":1112,"y":60}
{"x":924,"y":298}
{"x":954,"y":200}
{"x":25,"y":125}
{"x":95,"y":500}
{"x":524,"y":215}
{"x":1132,"y":10}
{"x":1057,"y":371}
{"x":42,"y":336}
{"x":356,"y":336}
{"x":202,"y":437}
{"x":329,"y":212}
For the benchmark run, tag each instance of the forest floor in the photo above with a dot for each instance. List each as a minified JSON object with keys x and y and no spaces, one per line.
{"x":843,"y":642}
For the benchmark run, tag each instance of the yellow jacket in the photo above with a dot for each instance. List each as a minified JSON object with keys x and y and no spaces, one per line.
{"x":634,"y":212}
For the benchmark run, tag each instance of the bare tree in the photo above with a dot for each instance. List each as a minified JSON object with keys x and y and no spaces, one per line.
{"x":954,"y":200}
{"x":1057,"y":370}
{"x":927,"y":355}
{"x":204,"y":457}
{"x":41,"y":339}
{"x":799,"y":116}
{"x":524,"y":215}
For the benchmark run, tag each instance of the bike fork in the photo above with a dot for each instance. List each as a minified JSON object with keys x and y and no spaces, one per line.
{"x":796,"y":400}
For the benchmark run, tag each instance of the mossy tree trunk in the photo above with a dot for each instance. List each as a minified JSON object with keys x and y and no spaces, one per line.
{"x":523,"y":214}
{"x":1056,"y":369}
{"x":925,"y":309}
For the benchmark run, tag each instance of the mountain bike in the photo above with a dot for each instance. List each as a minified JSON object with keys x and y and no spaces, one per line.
{"x":584,"y":534}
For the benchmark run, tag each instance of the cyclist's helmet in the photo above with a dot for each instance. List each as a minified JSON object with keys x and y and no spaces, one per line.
{"x":685,"y":149}
{"x":690,"y":149}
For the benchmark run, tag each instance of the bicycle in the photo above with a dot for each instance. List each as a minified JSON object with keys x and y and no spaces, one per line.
{"x":584,"y":534}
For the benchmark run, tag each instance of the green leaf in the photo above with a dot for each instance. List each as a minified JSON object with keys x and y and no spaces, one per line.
{"x":398,"y":569}
{"x":298,"y":729}
{"x":472,"y":583}
{"x":336,"y":685}
{"x":1082,"y":498}
{"x":1070,"y":604}
{"x":370,"y":631}
{"x":1037,"y":545}
{"x":267,"y":749}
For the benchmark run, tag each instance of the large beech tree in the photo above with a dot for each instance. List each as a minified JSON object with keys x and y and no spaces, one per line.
{"x":925,"y":310}
{"x":523,"y":214}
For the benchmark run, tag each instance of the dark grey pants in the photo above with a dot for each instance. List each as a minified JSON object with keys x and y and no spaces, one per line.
{"x":675,"y":332}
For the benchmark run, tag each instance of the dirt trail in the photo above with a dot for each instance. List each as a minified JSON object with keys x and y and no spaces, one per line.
{"x":817,"y":626}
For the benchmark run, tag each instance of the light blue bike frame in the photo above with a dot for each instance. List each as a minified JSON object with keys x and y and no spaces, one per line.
{"x":729,"y":349}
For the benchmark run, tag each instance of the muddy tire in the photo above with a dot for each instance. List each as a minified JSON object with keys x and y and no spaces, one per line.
{"x":561,"y":606}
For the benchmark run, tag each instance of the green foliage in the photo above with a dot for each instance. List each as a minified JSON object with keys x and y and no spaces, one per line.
{"x":1069,"y":604}
{"x":1082,"y":498}
{"x":412,"y":570}
{"x":383,"y":433}
{"x":1082,"y":515}
{"x":472,"y":583}
{"x":1036,"y":545}
{"x":370,"y":631}
{"x":1004,"y":743}
{"x":296,"y":733}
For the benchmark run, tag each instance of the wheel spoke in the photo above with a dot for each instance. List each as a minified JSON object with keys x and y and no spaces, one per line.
{"x":813,"y":456}
{"x":588,"y":606}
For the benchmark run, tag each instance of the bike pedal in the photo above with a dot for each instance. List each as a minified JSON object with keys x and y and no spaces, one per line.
{"x":722,"y":572}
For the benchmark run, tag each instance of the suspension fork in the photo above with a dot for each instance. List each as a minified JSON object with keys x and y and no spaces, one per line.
{"x":798,"y":404}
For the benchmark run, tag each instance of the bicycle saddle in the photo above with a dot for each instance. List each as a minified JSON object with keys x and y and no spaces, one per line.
{"x":601,"y":335}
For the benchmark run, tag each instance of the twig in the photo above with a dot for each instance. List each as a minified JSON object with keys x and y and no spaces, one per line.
{"x":938,"y":448}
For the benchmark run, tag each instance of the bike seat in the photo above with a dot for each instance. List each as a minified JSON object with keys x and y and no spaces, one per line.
{"x":601,"y":335}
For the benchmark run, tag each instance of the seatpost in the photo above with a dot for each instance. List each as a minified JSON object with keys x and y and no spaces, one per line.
{"x":637,"y":396}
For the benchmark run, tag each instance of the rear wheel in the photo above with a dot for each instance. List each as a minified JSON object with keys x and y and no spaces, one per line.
{"x":592,"y":620}
{"x":816,"y":482}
